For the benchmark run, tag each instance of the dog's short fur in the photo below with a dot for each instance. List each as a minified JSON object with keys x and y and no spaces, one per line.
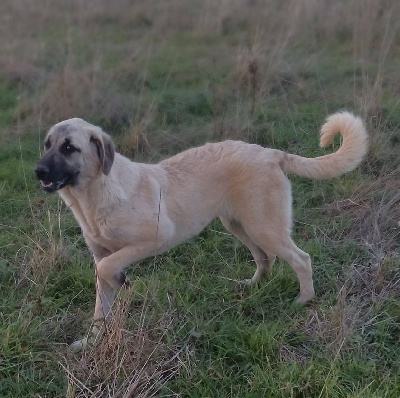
{"x":129,"y":211}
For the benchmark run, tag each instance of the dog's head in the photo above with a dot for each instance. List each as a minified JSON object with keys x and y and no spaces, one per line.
{"x":75,"y":153}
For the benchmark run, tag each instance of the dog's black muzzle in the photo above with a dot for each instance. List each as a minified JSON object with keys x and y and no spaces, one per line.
{"x":54,"y":173}
{"x":42,"y":172}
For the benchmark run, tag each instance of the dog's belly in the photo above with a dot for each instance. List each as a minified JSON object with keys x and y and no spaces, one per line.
{"x":184,"y":231}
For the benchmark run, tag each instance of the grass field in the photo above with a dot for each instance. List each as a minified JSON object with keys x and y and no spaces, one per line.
{"x":163,"y":76}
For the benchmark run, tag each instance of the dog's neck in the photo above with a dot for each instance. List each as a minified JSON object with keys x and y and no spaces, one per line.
{"x":92,"y":201}
{"x":81,"y":208}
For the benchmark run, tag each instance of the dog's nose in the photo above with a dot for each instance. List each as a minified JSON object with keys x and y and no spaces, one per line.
{"x":41,"y":171}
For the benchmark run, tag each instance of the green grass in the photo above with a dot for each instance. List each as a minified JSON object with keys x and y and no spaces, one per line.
{"x":248,"y":342}
{"x":187,"y":328}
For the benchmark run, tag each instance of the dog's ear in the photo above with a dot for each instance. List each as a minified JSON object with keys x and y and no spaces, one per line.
{"x":105,"y":150}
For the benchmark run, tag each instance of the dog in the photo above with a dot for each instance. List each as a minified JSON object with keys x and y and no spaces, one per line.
{"x":129,"y":211}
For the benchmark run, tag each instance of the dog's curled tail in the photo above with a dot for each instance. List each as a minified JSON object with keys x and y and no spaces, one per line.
{"x":346,"y":158}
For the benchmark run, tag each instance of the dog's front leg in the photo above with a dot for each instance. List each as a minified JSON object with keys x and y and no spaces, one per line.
{"x":105,"y":295}
{"x":109,"y":278}
{"x":111,"y":268}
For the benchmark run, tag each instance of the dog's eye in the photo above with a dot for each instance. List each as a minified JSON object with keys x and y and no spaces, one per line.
{"x":68,"y":148}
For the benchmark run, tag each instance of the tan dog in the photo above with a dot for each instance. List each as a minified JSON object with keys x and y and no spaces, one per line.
{"x":129,"y":211}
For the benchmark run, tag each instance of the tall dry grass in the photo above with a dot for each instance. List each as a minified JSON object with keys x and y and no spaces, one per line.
{"x":130,"y":361}
{"x":58,"y":52}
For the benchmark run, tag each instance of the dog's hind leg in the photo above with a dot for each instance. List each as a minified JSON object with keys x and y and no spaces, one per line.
{"x":275,"y":210}
{"x":281,"y":244}
{"x":263,"y":260}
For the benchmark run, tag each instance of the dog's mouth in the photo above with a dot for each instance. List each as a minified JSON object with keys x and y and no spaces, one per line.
{"x":51,"y":186}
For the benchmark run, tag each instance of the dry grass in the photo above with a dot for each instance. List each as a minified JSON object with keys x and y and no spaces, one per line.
{"x":65,"y":85}
{"x":370,"y":281}
{"x":133,"y":359}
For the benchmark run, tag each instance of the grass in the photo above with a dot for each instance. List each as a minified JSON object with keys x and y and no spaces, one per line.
{"x":161,"y":77}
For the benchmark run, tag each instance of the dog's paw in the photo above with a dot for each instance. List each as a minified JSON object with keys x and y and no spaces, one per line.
{"x":248,"y":282}
{"x":127,"y":283}
{"x":122,"y":280}
{"x":79,"y":345}
{"x":305,"y":298}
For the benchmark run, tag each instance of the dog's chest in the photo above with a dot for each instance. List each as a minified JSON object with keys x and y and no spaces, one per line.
{"x":93,"y":225}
